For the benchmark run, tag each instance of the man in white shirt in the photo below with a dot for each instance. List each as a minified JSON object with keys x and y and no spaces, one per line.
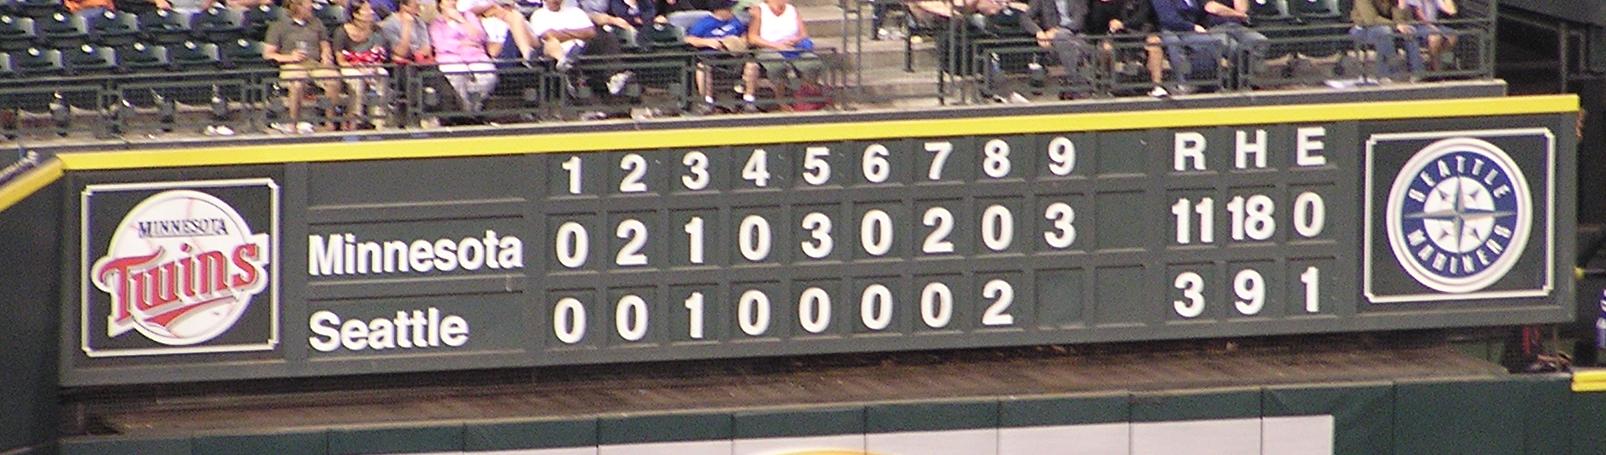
{"x":562,"y":29}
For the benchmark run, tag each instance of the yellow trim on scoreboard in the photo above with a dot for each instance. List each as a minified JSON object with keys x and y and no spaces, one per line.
{"x":820,"y":132}
{"x":1590,"y":380}
{"x":29,"y":182}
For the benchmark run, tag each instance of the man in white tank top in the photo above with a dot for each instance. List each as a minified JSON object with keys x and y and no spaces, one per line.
{"x":778,"y":33}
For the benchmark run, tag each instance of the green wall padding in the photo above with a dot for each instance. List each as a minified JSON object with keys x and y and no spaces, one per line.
{"x":1363,"y":413}
{"x":663,"y":428}
{"x":398,"y":439}
{"x":533,"y":434}
{"x":304,"y":442}
{"x":126,"y":446}
{"x":799,"y":423}
{"x":1462,"y":417}
{"x":1066,"y":410}
{"x":1196,"y":405}
{"x":892,"y":418}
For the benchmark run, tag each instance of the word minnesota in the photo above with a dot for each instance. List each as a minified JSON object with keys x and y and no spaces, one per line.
{"x":345,"y":254}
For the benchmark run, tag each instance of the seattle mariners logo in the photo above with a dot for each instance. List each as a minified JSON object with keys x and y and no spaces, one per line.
{"x":1458,"y":215}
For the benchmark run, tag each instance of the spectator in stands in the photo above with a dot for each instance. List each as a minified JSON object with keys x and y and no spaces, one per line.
{"x":300,"y":44}
{"x":1377,"y":22}
{"x":685,"y":13}
{"x":637,"y":13}
{"x":601,"y":13}
{"x":517,"y":28}
{"x":1119,"y":17}
{"x":1210,"y":30}
{"x":459,"y":44}
{"x":720,"y":32}
{"x":361,"y":49}
{"x":563,"y":30}
{"x":1058,"y":24}
{"x":408,"y":35}
{"x":93,"y":11}
{"x":1439,"y":38}
{"x":778,"y":31}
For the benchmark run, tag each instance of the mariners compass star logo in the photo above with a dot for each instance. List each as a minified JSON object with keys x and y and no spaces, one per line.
{"x":1459,"y":215}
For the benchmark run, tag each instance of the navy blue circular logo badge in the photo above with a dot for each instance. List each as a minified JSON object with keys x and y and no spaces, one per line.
{"x":1459,"y":215}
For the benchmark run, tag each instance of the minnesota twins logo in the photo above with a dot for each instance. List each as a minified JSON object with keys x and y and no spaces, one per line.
{"x":1459,"y":215}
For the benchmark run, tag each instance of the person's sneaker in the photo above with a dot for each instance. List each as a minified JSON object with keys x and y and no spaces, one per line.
{"x":305,"y":128}
{"x":616,"y":84}
{"x":702,"y":109}
{"x":282,"y":128}
{"x":219,"y":130}
{"x":1017,"y":98}
{"x":593,"y":115}
{"x":1159,"y":92}
{"x":210,"y":130}
{"x":564,"y":64}
{"x":1183,"y":90}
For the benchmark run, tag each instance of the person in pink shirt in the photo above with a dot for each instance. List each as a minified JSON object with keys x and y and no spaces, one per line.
{"x":459,"y":42}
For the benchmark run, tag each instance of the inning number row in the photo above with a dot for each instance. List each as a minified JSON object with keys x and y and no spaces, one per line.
{"x":760,"y":167}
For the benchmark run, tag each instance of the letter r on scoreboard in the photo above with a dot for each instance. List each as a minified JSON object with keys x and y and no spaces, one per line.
{"x":179,"y":267}
{"x":1458,"y":216}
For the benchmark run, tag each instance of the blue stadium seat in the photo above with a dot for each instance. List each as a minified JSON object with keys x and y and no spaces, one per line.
{"x":258,"y":19}
{"x":38,"y":62}
{"x":16,"y":33}
{"x":331,"y":15}
{"x":39,"y":8}
{"x":193,"y":56}
{"x":218,"y":24}
{"x":117,"y":30}
{"x":164,"y":27}
{"x":90,"y":59}
{"x":144,"y":58}
{"x":62,"y":30}
{"x":243,"y":54}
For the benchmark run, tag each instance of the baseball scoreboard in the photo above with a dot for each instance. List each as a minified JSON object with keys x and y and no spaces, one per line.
{"x":875,"y":240}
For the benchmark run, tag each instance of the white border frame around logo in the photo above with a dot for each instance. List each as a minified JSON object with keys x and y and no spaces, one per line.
{"x":85,"y":261}
{"x":1548,"y":217}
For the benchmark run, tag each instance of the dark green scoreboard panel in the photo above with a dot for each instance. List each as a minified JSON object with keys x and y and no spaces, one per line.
{"x":862,"y":245}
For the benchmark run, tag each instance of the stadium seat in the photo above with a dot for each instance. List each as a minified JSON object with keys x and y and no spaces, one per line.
{"x":16,"y":33}
{"x":192,"y":56}
{"x":90,"y":59}
{"x":62,"y":30}
{"x":39,"y":8}
{"x":35,"y":62}
{"x":218,"y":24}
{"x":118,"y":30}
{"x":144,"y":58}
{"x":258,"y":19}
{"x":164,"y":27}
{"x":1270,"y":12}
{"x":331,"y":15}
{"x":5,"y":66}
{"x":662,"y":38}
{"x":243,"y":54}
{"x":1316,"y":11}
